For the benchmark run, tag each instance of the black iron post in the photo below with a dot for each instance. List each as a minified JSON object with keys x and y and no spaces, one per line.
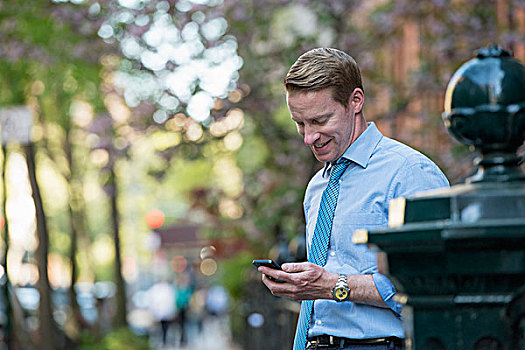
{"x":457,"y":256}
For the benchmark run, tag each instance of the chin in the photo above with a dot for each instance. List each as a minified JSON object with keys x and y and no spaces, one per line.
{"x":324,"y":159}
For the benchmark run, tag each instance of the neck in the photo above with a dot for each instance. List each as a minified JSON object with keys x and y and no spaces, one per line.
{"x":359,"y":126}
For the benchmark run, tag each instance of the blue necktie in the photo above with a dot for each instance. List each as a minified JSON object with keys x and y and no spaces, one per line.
{"x":319,"y":247}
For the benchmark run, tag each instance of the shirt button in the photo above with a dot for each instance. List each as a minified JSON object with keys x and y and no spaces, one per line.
{"x":332,"y":253}
{"x":319,"y":322}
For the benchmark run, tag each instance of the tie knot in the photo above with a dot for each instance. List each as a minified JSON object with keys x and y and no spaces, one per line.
{"x":338,"y":169}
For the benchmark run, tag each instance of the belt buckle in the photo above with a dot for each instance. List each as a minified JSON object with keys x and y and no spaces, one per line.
{"x":312,"y":344}
{"x":319,"y":344}
{"x":377,"y":340}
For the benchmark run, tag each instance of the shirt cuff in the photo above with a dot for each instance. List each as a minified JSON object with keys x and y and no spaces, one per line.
{"x":387,"y":291}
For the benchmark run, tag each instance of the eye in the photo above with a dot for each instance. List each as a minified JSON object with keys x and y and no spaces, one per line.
{"x":319,"y":121}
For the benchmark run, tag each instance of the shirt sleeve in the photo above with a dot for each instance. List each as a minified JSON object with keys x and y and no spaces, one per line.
{"x":387,"y":291}
{"x":417,"y":175}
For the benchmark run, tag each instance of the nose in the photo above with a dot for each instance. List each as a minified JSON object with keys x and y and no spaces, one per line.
{"x":310,"y":135}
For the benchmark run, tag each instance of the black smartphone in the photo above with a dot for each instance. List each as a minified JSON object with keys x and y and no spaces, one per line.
{"x":268,"y":263}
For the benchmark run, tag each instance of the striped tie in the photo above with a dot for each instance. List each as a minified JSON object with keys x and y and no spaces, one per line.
{"x":319,"y":247}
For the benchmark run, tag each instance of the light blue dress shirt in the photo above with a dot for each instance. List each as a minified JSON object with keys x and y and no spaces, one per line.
{"x":381,"y":169}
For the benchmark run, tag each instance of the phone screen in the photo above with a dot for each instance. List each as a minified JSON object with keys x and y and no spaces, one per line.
{"x":268,"y":263}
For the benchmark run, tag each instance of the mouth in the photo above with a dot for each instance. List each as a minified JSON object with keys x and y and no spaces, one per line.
{"x":321,"y":145}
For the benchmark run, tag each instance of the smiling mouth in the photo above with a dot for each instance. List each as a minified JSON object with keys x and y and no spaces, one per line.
{"x":322,"y":144}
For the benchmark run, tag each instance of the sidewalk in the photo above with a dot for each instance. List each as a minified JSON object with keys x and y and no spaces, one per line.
{"x":215,"y":335}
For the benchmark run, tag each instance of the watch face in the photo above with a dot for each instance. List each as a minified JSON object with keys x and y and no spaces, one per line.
{"x":341,"y":293}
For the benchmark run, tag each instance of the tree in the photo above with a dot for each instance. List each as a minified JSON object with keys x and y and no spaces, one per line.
{"x":48,"y":75}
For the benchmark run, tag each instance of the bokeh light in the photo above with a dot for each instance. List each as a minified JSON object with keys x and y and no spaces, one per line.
{"x":256,"y":320}
{"x":100,"y":157}
{"x":230,"y":209}
{"x":102,"y":250}
{"x":155,"y":218}
{"x":207,"y":252}
{"x":233,"y":141}
{"x":193,"y":63}
{"x":208,"y":267}
{"x":129,"y":269}
{"x":229,"y":177}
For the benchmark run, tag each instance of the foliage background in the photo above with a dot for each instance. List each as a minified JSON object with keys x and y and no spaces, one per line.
{"x":109,"y":128}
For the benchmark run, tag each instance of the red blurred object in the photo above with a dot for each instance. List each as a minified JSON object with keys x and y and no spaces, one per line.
{"x":2,"y":222}
{"x":179,"y":263}
{"x":155,"y":218}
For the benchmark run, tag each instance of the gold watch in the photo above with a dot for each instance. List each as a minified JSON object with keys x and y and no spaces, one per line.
{"x":341,"y":292}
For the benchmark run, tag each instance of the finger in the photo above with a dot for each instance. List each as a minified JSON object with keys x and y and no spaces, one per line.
{"x":266,"y":280}
{"x":272,"y":285}
{"x":264,"y":269}
{"x":277,"y":274}
{"x":277,"y":288}
{"x":268,"y":283}
{"x":268,"y":271}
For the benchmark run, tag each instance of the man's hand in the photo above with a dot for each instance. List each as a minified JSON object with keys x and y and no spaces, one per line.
{"x":302,"y":281}
{"x":307,"y":281}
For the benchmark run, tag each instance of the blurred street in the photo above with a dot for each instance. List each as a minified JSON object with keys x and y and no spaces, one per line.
{"x":215,"y":334}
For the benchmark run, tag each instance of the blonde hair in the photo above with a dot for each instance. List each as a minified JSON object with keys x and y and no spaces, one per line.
{"x":325,"y":68}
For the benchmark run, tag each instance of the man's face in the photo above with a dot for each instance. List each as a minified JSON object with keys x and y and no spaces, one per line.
{"x":325,"y":125}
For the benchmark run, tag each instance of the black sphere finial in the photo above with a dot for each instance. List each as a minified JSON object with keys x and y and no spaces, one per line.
{"x":493,"y":51}
{"x":485,"y":108}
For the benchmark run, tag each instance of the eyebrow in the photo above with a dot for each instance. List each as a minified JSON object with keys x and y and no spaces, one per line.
{"x":326,"y":115}
{"x":321,"y":116}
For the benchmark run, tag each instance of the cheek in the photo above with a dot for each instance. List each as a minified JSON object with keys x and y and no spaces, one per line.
{"x":343,"y":139}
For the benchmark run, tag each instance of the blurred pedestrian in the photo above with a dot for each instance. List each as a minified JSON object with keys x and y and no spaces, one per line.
{"x":162,"y":305}
{"x":217,"y":300}
{"x":184,"y":293}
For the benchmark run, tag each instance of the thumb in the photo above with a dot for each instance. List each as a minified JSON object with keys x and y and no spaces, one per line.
{"x":293,"y":267}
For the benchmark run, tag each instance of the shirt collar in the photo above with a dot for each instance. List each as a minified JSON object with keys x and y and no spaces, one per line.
{"x":361,"y":149}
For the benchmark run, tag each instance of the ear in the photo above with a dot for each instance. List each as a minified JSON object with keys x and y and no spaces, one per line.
{"x":357,"y":100}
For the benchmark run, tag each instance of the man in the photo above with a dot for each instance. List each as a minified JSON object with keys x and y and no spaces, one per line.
{"x":346,"y":304}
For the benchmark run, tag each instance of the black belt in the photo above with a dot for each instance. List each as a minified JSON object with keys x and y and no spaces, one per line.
{"x":328,"y":340}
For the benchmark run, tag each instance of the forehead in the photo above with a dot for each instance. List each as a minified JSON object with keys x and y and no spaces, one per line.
{"x":309,"y":95}
{"x":311,"y":102}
